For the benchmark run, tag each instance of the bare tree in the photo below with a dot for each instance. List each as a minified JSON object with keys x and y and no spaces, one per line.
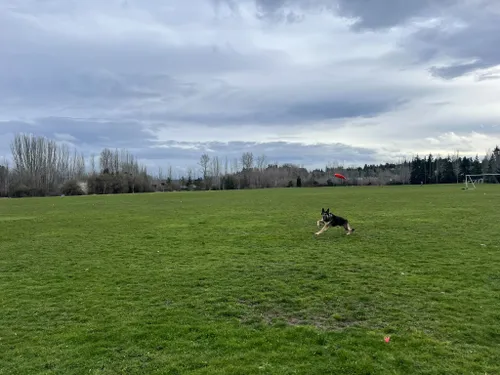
{"x":63,"y":163}
{"x":126,"y":162}
{"x":92,"y":164}
{"x":161,"y":180}
{"x":115,"y":164}
{"x":76,"y":166}
{"x":31,"y":156}
{"x":170,"y":173}
{"x":226,"y":166}
{"x":21,"y":155}
{"x":204,"y":167}
{"x":80,"y":166}
{"x":247,"y":167}
{"x":247,"y":160}
{"x":4,"y":178}
{"x":235,"y":166}
{"x":216,"y":171}
{"x":106,"y":160}
{"x":42,"y":164}
{"x":261,"y":163}
{"x":189,"y":176}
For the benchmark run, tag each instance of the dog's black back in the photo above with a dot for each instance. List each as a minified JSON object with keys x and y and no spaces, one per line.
{"x":337,"y":221}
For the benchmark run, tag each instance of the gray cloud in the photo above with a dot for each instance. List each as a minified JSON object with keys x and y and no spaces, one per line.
{"x":295,"y":114}
{"x":110,"y":72}
{"x":379,"y":14}
{"x":454,"y":71}
{"x":324,"y":110}
{"x":52,"y":66}
{"x":469,"y":46}
{"x":255,"y":75}
{"x":366,"y":15}
{"x":474,"y":40}
{"x":86,"y":133}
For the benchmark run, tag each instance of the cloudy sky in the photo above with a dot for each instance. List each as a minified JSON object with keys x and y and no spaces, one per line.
{"x":303,"y":81}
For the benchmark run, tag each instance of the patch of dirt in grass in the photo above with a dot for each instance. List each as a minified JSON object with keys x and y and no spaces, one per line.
{"x":259,"y":314}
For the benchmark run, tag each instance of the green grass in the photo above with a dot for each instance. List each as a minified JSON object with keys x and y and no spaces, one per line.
{"x":236,"y":283}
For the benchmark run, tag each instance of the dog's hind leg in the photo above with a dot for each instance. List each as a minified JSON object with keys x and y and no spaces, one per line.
{"x":348,"y":228}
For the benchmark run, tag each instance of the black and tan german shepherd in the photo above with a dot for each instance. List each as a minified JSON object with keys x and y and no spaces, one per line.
{"x":330,"y":220}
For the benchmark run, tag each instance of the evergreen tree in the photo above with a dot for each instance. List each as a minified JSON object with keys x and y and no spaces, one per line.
{"x":417,"y":174}
{"x":485,"y":164}
{"x":465,"y":166}
{"x":491,"y":168}
{"x":476,"y":166}
{"x":496,"y":156}
{"x":430,"y":169}
{"x":438,"y":169}
{"x":448,"y":175}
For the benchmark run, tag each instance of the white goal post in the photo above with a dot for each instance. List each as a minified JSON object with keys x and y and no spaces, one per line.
{"x":472,"y":179}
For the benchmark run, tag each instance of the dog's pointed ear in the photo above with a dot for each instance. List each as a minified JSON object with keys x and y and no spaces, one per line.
{"x":322,"y":210}
{"x":327,"y":210}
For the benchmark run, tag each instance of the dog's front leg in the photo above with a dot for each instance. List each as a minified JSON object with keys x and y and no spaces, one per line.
{"x":319,"y":222}
{"x":325,"y":227}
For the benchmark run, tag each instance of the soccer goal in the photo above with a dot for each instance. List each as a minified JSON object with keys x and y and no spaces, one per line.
{"x":472,"y":179}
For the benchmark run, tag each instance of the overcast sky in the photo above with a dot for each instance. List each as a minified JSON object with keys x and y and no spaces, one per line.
{"x":309,"y":82}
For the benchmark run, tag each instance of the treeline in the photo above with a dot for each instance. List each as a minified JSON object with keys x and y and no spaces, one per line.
{"x":249,"y":172}
{"x":43,"y":167}
{"x":430,"y":170}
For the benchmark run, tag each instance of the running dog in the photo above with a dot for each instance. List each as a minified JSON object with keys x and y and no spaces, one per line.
{"x":330,"y":220}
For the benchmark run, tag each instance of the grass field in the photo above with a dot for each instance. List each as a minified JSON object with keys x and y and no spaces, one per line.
{"x":236,"y":283}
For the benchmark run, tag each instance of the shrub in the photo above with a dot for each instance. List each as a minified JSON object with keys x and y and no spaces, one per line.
{"x":299,"y":182}
{"x":20,"y":191}
{"x":71,"y":188}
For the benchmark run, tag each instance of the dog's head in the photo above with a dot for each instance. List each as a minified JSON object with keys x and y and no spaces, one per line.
{"x":326,"y":215}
